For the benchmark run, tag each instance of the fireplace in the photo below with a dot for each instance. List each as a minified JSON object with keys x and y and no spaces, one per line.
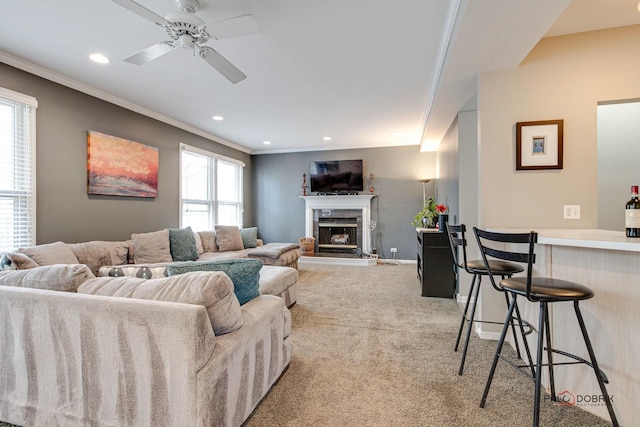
{"x":339,"y":224}
{"x":337,"y":230}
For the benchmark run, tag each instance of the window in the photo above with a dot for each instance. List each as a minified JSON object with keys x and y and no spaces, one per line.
{"x":17,"y":170}
{"x":211,"y":189}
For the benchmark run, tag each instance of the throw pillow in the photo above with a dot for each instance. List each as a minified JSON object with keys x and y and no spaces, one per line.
{"x":182,"y":244}
{"x":244,"y":273}
{"x":198,"y":242}
{"x":249,"y":237}
{"x":151,"y":247}
{"x":60,"y":277}
{"x":98,"y":253}
{"x":213,"y":291}
{"x":141,"y":271}
{"x":228,"y":238}
{"x":51,"y":253}
{"x":209,"y":243}
{"x":16,"y":261}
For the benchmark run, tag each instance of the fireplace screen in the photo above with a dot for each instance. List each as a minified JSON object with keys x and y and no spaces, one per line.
{"x":338,"y":230}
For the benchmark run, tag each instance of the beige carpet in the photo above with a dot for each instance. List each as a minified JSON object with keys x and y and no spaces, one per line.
{"x":369,"y":351}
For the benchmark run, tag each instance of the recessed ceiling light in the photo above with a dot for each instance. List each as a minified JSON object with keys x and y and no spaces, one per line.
{"x":326,"y":138}
{"x":266,"y":142}
{"x":218,"y":118}
{"x":99,"y":58}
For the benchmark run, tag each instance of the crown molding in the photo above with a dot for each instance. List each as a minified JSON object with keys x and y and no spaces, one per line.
{"x":97,"y":93}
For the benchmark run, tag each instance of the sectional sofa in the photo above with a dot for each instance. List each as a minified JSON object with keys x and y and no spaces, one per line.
{"x":184,"y":348}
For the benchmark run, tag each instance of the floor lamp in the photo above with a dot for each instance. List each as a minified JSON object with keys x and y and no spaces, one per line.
{"x":424,"y":190}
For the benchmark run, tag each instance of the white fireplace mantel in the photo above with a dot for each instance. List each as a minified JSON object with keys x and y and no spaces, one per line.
{"x":361,"y":202}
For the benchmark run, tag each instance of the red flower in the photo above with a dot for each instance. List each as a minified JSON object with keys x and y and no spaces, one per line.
{"x":441,"y":208}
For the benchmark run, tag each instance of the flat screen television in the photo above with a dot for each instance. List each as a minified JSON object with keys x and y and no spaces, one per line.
{"x":336,"y":176}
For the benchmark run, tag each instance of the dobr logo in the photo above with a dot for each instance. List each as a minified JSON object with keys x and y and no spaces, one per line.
{"x":565,"y":398}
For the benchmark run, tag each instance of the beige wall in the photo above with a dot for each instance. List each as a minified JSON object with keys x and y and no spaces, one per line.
{"x":563,"y":77}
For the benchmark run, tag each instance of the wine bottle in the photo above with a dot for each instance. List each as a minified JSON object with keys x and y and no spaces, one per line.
{"x":632,"y":214}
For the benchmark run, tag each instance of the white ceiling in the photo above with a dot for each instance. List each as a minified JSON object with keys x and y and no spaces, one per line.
{"x":368,"y":73}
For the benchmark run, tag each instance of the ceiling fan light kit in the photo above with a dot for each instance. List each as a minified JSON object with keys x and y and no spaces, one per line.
{"x":189,"y":32}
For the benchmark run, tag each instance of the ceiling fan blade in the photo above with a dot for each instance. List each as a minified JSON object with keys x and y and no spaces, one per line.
{"x":224,"y":67}
{"x":138,"y":9}
{"x":242,"y":25}
{"x":150,"y":53}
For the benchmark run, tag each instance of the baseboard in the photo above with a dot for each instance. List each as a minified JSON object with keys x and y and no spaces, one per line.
{"x":336,"y":261}
{"x":485,"y":335}
{"x":396,"y":261}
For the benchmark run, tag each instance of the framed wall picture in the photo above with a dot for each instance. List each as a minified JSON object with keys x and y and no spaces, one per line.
{"x":119,"y":167}
{"x":539,"y":145}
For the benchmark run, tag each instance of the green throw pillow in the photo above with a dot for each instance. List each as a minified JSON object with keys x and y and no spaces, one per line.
{"x":243,"y":272}
{"x":249,"y":237}
{"x":183,"y":244}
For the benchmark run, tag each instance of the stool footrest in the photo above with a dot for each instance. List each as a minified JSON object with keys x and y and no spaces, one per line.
{"x":579,"y":361}
{"x":603,"y":376}
{"x":524,"y":323}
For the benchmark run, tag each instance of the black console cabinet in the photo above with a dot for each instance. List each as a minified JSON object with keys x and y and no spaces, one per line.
{"x":435,"y":265}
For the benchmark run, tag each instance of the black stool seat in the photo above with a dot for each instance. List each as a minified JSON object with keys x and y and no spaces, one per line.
{"x":547,"y":289}
{"x":500,"y":268}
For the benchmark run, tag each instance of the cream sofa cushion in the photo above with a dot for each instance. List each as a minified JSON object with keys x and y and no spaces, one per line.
{"x":213,"y":290}
{"x":16,"y":261}
{"x":151,"y":247}
{"x":228,"y":238}
{"x":98,"y":253}
{"x":209,"y":243}
{"x":199,"y":246}
{"x":57,"y":277}
{"x":50,"y":253}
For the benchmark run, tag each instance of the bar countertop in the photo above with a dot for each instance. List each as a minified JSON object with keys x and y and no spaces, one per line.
{"x":585,"y":238}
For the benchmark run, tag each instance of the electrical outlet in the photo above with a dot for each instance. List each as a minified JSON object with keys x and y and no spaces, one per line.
{"x":394,"y":250}
{"x":571,"y":211}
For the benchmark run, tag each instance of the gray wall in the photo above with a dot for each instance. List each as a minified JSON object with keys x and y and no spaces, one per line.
{"x":279,"y":210}
{"x":64,"y":210}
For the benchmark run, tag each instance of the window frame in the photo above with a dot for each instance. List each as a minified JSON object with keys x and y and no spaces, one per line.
{"x":25,"y":125}
{"x":212,"y":201}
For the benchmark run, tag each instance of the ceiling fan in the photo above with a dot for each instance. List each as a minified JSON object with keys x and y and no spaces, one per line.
{"x":190,"y":32}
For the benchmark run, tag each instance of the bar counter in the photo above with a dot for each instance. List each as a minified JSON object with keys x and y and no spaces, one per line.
{"x":588,"y":238}
{"x":609,"y":263}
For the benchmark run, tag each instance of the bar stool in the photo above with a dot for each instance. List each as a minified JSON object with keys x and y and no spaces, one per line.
{"x":542,"y":290}
{"x":477,"y":268}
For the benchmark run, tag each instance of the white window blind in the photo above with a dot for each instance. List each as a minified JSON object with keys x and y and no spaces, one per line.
{"x":211,"y":189}
{"x":17,"y":170}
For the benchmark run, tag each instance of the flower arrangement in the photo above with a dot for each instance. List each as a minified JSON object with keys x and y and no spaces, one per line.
{"x":428,"y":216}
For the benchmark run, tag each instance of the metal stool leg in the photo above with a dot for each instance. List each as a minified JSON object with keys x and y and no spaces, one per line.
{"x":513,"y":327}
{"x":541,"y":329}
{"x":524,"y":340}
{"x":594,"y":362}
{"x":470,"y":326}
{"x":466,"y":309}
{"x":505,"y":328}
{"x":552,"y":381}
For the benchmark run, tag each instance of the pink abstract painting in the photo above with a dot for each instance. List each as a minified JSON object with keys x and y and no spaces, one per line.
{"x":119,"y":167}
